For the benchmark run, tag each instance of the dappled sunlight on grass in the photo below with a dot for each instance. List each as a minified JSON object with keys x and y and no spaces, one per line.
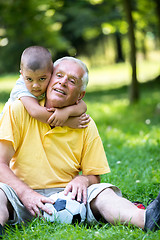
{"x":131,"y":137}
{"x":7,"y":82}
{"x":117,"y":75}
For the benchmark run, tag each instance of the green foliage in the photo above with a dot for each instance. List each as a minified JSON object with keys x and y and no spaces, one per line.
{"x":26,"y":23}
{"x":73,"y":28}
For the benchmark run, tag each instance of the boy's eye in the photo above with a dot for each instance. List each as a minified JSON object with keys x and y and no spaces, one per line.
{"x":42,"y":79}
{"x":29,"y":79}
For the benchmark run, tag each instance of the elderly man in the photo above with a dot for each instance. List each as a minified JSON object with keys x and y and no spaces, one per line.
{"x":37,"y":160}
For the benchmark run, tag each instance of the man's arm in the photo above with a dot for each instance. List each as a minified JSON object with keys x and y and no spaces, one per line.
{"x":78,"y":186}
{"x":32,"y":200}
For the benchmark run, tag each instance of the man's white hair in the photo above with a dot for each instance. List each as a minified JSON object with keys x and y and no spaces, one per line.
{"x":82,"y":64}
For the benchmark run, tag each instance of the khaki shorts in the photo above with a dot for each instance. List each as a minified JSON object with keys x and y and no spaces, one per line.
{"x":21,"y":214}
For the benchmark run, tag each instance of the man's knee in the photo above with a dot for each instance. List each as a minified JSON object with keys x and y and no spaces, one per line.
{"x":5,"y":208}
{"x":3,"y":198}
{"x":99,"y":202}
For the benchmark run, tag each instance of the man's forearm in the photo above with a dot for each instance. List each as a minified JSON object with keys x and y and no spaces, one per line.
{"x":92,"y":179}
{"x":33,"y":201}
{"x":8,"y":177}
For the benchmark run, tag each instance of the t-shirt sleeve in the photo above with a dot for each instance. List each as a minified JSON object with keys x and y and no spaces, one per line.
{"x":20,"y":90}
{"x":94,"y":161}
{"x":10,"y":129}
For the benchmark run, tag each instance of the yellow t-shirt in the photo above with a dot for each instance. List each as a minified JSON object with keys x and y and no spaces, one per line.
{"x":47,"y":158}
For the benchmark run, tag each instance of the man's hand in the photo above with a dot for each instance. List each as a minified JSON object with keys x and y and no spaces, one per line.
{"x":78,"y":186}
{"x":35,"y":202}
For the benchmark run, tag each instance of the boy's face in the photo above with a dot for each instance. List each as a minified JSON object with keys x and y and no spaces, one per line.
{"x":36,"y":81}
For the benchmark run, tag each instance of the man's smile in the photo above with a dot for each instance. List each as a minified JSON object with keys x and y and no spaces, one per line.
{"x":60,"y":91}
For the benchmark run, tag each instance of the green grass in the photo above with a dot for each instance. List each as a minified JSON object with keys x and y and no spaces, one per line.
{"x":131,"y":138}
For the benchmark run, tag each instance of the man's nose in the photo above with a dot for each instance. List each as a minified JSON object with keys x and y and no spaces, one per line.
{"x":63,"y":80}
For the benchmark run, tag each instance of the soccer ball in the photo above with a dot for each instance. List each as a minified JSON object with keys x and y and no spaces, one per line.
{"x":65,"y":210}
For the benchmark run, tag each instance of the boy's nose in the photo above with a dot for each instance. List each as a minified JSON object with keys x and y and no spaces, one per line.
{"x":35,"y":85}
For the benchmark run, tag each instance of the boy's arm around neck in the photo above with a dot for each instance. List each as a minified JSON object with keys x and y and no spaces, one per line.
{"x":35,"y":109}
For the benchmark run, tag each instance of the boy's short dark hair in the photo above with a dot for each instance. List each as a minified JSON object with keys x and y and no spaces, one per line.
{"x":36,"y":57}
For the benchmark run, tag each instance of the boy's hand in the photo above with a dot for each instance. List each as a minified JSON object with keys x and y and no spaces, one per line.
{"x":59,"y":117}
{"x":78,"y":122}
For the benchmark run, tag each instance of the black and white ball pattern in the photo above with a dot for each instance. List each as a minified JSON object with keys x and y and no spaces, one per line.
{"x":65,"y":210}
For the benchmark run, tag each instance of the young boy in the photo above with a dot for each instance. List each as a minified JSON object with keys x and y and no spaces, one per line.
{"x":36,"y":71}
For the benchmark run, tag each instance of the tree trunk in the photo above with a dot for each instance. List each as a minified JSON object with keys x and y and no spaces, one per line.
{"x":134,"y":90}
{"x":158,"y":17}
{"x":119,"y":57}
{"x":143,"y":45}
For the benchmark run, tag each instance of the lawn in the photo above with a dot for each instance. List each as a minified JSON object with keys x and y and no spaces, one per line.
{"x":131,"y":138}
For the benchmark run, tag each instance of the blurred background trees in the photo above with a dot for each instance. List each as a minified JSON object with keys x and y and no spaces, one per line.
{"x":101,"y":31}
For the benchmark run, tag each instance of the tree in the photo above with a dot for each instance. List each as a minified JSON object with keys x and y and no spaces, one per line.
{"x":119,"y":57}
{"x":78,"y":27}
{"x":158,"y":19}
{"x":134,"y":91}
{"x":26,"y":23}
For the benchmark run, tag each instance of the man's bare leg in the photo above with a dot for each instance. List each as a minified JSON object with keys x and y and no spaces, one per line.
{"x":4,"y":208}
{"x":116,"y":209}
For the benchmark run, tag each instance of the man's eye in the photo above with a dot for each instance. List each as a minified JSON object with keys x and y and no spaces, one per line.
{"x":72,"y":80}
{"x":59,"y":75}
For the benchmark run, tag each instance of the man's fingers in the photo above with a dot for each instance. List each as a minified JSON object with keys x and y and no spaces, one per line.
{"x":47,"y":210}
{"x":47,"y":200}
{"x":79,"y":195}
{"x":32,"y":213}
{"x":84,"y":194}
{"x":36,"y":212}
{"x":67,"y":189}
{"x":41,"y":206}
{"x":74,"y":193}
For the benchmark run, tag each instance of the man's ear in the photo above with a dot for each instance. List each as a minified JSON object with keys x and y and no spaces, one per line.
{"x":81,"y":95}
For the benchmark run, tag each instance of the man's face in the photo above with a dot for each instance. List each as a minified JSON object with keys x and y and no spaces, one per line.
{"x":65,"y":85}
